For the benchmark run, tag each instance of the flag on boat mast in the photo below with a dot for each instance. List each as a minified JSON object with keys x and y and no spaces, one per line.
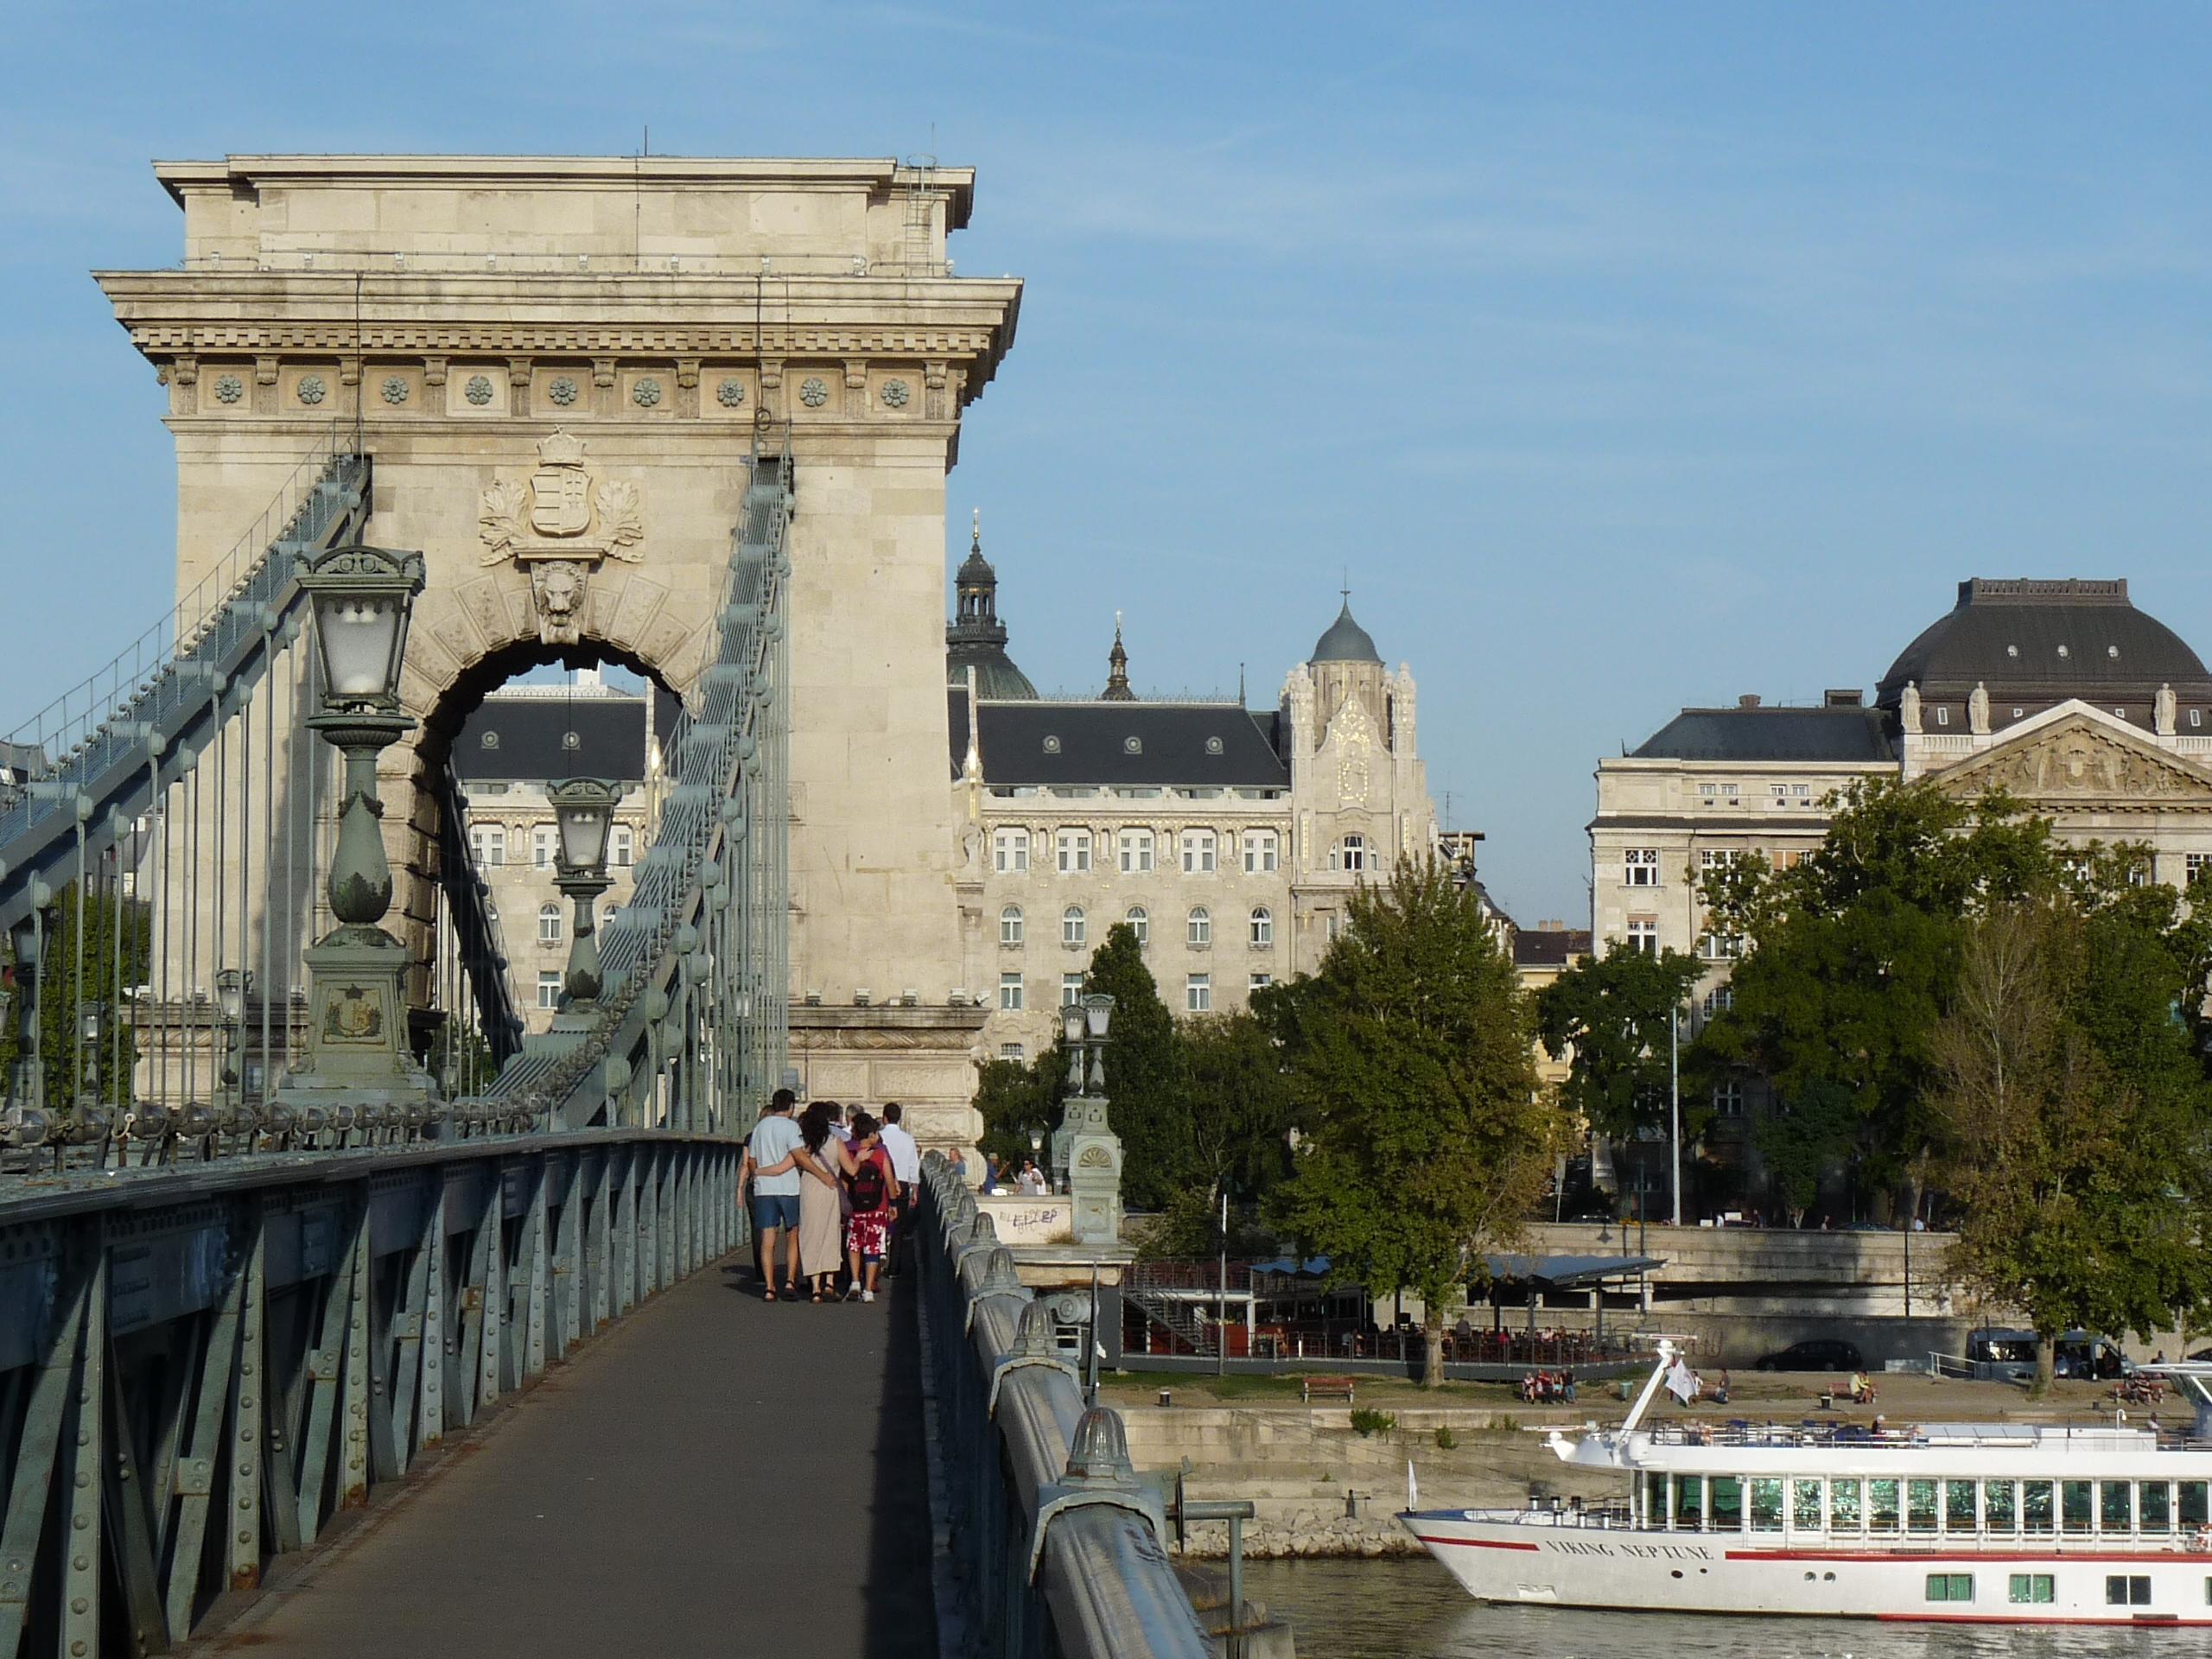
{"x":1413,"y":1487}
{"x":1681,"y":1382}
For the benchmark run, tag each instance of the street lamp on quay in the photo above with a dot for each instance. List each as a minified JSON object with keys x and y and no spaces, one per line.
{"x":583,"y":812}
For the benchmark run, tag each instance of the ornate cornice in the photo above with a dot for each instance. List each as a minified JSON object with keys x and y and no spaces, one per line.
{"x":2078,"y":764}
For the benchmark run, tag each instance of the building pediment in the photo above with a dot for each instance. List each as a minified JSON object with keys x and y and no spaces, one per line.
{"x":2079,"y":761}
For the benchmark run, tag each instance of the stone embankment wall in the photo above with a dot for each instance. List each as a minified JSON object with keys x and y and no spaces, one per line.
{"x":1319,"y":1488}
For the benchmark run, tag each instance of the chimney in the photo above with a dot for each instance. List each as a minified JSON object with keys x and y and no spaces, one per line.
{"x":1749,"y":700}
{"x":1849,"y":697}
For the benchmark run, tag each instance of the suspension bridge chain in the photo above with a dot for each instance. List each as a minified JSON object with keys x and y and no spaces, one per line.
{"x":163,"y":866}
{"x":235,"y":1300}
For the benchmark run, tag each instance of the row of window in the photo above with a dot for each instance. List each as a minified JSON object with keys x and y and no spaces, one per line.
{"x":1137,"y":852}
{"x":1197,"y":997}
{"x":1640,"y":865}
{"x":1197,"y":927}
{"x":1778,"y":795}
{"x":488,"y":842}
{"x":553,"y":923}
{"x":2040,"y":1589}
{"x":2029,"y":1508}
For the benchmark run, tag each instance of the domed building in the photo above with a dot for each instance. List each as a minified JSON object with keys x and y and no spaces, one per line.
{"x":975,"y":638}
{"x":2025,"y":646}
{"x":2060,"y":693}
{"x":1227,"y":838}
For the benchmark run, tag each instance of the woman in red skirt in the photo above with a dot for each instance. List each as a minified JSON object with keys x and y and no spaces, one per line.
{"x":873,"y":1190}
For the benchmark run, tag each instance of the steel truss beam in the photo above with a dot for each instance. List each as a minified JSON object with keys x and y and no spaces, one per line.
{"x":201,"y":1370}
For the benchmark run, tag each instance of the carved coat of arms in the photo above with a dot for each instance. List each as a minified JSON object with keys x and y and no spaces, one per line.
{"x":558,"y":526}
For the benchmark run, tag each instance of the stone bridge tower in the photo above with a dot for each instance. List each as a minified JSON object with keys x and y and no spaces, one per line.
{"x":557,"y":366}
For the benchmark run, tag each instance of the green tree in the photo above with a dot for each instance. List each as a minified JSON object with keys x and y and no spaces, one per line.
{"x":1612,"y":1015}
{"x":1239,"y":1105}
{"x":1409,"y":1061}
{"x":1145,"y":1078}
{"x":1804,"y":1137}
{"x":71,"y":980}
{"x":1853,"y":953}
{"x":1017,"y":1099}
{"x":2073,"y":1112}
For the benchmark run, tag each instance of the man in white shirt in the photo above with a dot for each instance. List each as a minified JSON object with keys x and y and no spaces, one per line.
{"x":906,"y":1167}
{"x":772,"y":1174}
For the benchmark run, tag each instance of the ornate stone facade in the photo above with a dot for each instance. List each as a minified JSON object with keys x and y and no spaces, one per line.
{"x":1230,"y":838}
{"x":594,"y":297}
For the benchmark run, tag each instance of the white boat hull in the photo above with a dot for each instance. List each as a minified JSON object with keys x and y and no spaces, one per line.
{"x":1532,"y":1558}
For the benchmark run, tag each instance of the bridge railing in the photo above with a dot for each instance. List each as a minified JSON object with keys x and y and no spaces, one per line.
{"x":203,"y":1368}
{"x":1056,"y":1546}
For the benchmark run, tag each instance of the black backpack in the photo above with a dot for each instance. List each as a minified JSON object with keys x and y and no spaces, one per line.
{"x":867,"y":1185}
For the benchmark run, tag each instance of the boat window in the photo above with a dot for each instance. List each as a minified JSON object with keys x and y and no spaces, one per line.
{"x":1689,"y":1502}
{"x":2127,"y":1590}
{"x":1843,"y":1506}
{"x":2033,"y":1587}
{"x":2035,"y":1506}
{"x":1766,"y":1506}
{"x":1805,"y":1505}
{"x":1881,"y":1506}
{"x":2194,"y":1511}
{"x":1920,"y":1505}
{"x":2154,"y":1511}
{"x":1958,"y":1505}
{"x":2074,"y":1505}
{"x":1950,"y":1586}
{"x":2000,"y":1505}
{"x":1727,"y":1503}
{"x":2115,"y":1506}
{"x":1655,"y":1499}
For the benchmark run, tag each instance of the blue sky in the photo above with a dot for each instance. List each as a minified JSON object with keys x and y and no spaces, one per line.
{"x":1629,"y":357}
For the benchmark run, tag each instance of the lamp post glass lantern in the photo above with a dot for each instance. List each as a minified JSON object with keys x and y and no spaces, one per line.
{"x":583,"y":813}
{"x":361,"y":599}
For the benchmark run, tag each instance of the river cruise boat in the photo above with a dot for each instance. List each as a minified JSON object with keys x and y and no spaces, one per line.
{"x":1985,"y":1523}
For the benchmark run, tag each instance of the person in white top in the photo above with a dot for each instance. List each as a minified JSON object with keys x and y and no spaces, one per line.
{"x":907,"y":1168}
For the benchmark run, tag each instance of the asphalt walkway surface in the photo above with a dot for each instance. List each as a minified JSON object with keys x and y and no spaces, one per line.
{"x":715,"y":1475}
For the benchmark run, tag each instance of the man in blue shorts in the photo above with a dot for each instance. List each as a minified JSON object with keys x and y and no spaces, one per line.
{"x":775,"y":1178}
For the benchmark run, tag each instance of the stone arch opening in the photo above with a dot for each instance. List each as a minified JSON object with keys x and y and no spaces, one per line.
{"x":550,"y":730}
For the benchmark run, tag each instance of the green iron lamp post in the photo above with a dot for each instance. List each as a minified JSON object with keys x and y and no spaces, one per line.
{"x":1085,"y":1145}
{"x":358,"y":1057}
{"x":583,"y":811}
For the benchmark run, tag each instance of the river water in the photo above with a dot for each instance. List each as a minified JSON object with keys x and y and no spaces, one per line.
{"x":1410,"y":1609}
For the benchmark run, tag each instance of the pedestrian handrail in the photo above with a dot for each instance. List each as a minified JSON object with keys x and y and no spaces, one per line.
{"x":1057,"y":1546}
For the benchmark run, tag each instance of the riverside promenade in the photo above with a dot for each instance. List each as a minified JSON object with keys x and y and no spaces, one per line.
{"x":714,"y":1475}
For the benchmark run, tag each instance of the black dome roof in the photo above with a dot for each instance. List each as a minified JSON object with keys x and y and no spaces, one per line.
{"x":2029,"y":639}
{"x":1346,"y":641}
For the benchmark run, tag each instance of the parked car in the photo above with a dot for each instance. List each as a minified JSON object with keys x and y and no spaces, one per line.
{"x":1820,"y":1354}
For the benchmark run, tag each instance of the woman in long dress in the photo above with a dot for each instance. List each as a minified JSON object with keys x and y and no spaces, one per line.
{"x":819,"y":1210}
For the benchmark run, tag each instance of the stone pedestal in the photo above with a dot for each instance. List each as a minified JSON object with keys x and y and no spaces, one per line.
{"x":924,"y":1058}
{"x":357,"y":1022}
{"x":1094,"y":1172}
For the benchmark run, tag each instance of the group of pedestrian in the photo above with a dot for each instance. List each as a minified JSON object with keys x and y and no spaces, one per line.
{"x":827,"y":1178}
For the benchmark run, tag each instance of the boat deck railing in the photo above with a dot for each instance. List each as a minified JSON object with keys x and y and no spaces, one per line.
{"x":1812,"y":1432}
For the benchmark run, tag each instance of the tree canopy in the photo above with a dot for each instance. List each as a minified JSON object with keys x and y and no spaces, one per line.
{"x":1611,"y":1017}
{"x":2072,"y":1111}
{"x":1853,"y":952}
{"x":1409,"y":1061}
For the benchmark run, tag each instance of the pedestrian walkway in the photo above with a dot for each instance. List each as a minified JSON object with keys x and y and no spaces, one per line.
{"x":715,"y":1476}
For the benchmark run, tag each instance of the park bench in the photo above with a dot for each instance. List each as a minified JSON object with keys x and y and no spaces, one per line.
{"x":1311,"y":1389}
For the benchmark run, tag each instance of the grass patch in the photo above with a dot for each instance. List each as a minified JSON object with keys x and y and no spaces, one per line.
{"x":1365,"y":1422}
{"x":1445,"y":1439}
